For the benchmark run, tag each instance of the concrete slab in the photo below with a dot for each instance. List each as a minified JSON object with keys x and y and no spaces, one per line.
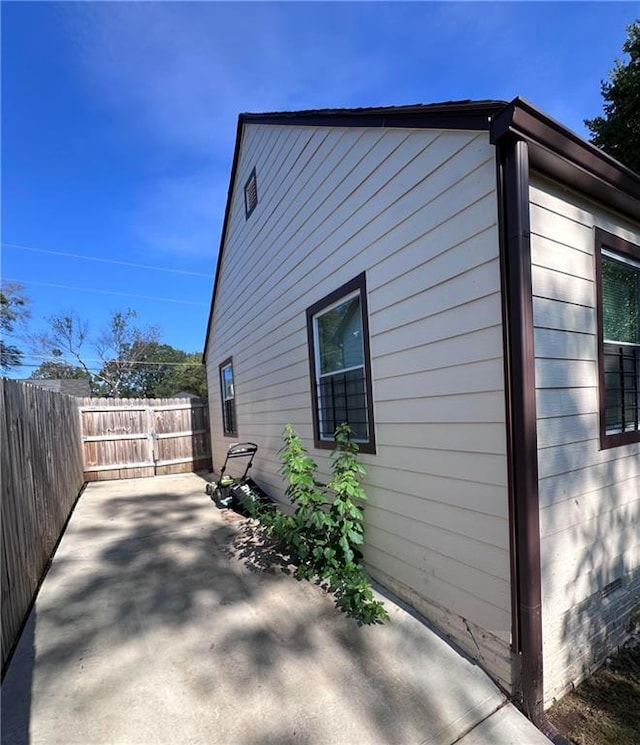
{"x":161,"y":622}
{"x":507,"y":727}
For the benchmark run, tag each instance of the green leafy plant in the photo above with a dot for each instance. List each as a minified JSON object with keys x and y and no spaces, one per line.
{"x":324,"y":534}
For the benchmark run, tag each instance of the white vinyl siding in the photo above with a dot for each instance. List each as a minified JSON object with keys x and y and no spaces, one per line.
{"x":417,"y":211}
{"x":589,"y":498}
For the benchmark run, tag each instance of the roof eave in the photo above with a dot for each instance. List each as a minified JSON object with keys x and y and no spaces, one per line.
{"x":566,"y":157}
{"x":473,"y":115}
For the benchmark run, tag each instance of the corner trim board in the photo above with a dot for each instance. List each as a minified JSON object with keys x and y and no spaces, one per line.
{"x":513,"y":168}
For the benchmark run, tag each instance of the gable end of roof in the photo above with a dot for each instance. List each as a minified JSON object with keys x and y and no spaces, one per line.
{"x":553,"y":149}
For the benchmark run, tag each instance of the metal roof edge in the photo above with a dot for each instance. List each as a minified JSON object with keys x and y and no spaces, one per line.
{"x":567,"y":157}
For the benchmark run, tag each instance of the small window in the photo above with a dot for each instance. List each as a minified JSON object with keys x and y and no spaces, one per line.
{"x":250,"y":194}
{"x":228,"y":392}
{"x":618,"y":288}
{"x":338,"y":337}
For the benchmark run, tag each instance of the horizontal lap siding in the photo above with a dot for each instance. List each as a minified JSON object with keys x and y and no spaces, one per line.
{"x":589,"y":498}
{"x":417,"y":211}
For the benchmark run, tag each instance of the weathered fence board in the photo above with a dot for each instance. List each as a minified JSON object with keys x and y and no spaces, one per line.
{"x":41,"y":478}
{"x":133,"y":438}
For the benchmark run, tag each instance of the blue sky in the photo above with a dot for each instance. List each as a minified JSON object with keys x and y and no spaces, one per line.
{"x":119,"y":120}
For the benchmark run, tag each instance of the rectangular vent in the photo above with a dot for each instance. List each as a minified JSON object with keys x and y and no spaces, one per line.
{"x":611,"y":587}
{"x":250,"y":194}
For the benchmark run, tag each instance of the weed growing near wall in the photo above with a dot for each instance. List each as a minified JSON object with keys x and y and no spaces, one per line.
{"x":323,"y":535}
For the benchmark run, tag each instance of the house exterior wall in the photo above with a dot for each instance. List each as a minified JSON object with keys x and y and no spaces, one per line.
{"x":417,"y":211}
{"x":589,"y":498}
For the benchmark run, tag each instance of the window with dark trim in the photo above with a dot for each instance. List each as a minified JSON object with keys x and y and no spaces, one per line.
{"x":250,"y":194}
{"x":618,"y":308}
{"x":228,"y":397}
{"x":340,"y":368}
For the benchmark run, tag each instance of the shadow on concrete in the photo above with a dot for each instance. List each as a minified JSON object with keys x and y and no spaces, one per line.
{"x":163,"y":619}
{"x":14,"y":724}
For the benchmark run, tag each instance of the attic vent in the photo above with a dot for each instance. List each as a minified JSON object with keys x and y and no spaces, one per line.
{"x":611,"y":587}
{"x":250,"y":194}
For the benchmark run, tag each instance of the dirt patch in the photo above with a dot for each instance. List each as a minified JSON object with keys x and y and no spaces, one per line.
{"x":605,"y":708}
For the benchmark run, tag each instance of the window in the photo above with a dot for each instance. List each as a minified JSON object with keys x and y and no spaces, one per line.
{"x":618,"y":287}
{"x":338,"y":337}
{"x":250,"y":194}
{"x":227,"y":389}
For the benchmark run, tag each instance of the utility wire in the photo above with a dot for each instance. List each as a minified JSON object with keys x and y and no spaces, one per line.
{"x":62,"y":361}
{"x":100,"y":367}
{"x":105,"y":292}
{"x":21,"y":247}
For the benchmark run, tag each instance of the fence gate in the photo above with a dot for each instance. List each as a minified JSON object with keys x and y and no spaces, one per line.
{"x":125,"y":438}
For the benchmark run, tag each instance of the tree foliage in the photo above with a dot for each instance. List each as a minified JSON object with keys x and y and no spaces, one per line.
{"x":108,"y":357}
{"x":122,"y":360}
{"x":618,"y":131}
{"x":162,"y":371}
{"x":51,"y":370}
{"x":190,"y":376}
{"x":14,"y":311}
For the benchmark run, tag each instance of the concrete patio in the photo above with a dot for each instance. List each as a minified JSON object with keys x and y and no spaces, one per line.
{"x":160,"y":622}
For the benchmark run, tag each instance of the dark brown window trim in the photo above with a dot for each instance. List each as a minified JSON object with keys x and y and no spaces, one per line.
{"x":231,"y":432}
{"x":614,"y":243}
{"x":248,"y":209}
{"x":357,"y":283}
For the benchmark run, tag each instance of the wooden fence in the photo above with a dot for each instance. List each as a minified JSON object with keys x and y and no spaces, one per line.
{"x":127,"y":438}
{"x":41,"y":478}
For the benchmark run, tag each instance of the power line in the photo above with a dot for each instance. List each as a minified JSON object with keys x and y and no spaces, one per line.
{"x":62,"y":361}
{"x":21,"y":247}
{"x":75,"y":367}
{"x":105,"y":292}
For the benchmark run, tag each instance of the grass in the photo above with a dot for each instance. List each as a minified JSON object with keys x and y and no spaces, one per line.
{"x":605,"y":708}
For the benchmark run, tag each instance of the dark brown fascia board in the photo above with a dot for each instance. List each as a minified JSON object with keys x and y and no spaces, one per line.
{"x":566,"y":157}
{"x":470,"y":115}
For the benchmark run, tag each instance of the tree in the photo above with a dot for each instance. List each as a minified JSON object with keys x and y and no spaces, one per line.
{"x":190,"y":376}
{"x":59,"y":371}
{"x":14,"y":311}
{"x":117,"y":348}
{"x":123,"y":360}
{"x":155,"y":365}
{"x":618,"y":131}
{"x":162,"y":371}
